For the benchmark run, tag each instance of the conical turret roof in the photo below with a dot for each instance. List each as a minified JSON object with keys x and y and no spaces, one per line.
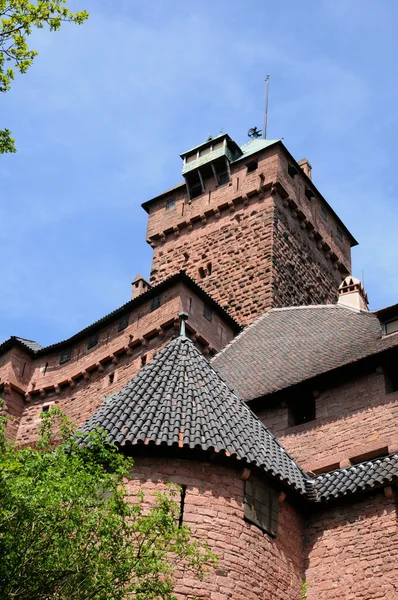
{"x":179,"y":400}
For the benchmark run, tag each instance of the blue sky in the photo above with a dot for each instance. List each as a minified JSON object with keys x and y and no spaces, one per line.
{"x":102,"y":115}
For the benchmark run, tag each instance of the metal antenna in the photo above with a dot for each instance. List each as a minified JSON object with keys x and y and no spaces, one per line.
{"x":266,"y":107}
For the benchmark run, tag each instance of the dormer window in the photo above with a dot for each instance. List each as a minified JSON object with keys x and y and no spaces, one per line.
{"x":391,"y":327}
{"x":170,"y":203}
{"x":252,"y":166}
{"x":223,"y":178}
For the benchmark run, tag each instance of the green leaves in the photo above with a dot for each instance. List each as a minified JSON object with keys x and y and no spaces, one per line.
{"x":69,"y":529}
{"x":17,"y":20}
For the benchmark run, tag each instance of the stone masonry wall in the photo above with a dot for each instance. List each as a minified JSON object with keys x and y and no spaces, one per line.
{"x":354,"y":418}
{"x":302,"y":274}
{"x":80,"y":385}
{"x":255,"y":243}
{"x":352,"y":551}
{"x":252,"y":565}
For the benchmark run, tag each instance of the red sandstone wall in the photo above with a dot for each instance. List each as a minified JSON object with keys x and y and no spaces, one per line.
{"x":352,"y":552}
{"x":354,"y":418}
{"x":252,"y":565}
{"x":302,"y":273}
{"x":259,"y":256}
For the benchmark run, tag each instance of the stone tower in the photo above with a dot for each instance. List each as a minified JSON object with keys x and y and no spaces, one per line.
{"x":249,"y":225}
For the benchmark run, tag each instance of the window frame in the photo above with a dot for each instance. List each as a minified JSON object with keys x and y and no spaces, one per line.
{"x":65,"y":356}
{"x":155,"y":303}
{"x":261,"y":505}
{"x":92,"y":341}
{"x":170,"y":203}
{"x":207,"y":312}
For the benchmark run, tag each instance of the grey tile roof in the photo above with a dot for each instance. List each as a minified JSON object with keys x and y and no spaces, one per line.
{"x":178,"y":400}
{"x":361,"y":477}
{"x":286,"y":346}
{"x":32,"y":345}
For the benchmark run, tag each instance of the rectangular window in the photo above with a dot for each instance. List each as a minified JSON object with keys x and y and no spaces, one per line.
{"x":339,"y":234}
{"x":302,"y":409}
{"x":155,"y":303}
{"x":207,"y":312}
{"x":261,"y":506}
{"x":252,"y":166}
{"x":124,"y":321}
{"x":223,"y":178}
{"x":170,"y":203}
{"x":391,"y":327}
{"x":65,"y":356}
{"x":196,"y":190}
{"x":324,"y":214}
{"x":92,"y":341}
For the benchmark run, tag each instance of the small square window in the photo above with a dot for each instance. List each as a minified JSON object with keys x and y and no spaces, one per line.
{"x":324,"y":214}
{"x":302,"y":409}
{"x":65,"y":356}
{"x":170,"y":203}
{"x":92,"y":341}
{"x":155,"y":303}
{"x":45,"y":408}
{"x":223,"y":178}
{"x":261,"y":506}
{"x":252,"y":166}
{"x":339,"y":234}
{"x":124,"y":321}
{"x":207,"y":312}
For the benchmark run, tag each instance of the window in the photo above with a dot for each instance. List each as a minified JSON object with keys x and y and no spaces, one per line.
{"x":170,"y":203}
{"x":65,"y":356}
{"x":182,"y":503}
{"x":339,"y":234}
{"x":111,"y":378}
{"x":301,"y":409}
{"x":261,"y":505}
{"x":202,"y":273}
{"x":155,"y":303}
{"x":196,"y":190}
{"x":143,"y":360}
{"x":92,"y":341}
{"x":391,"y":326}
{"x":45,"y":408}
{"x":252,"y":166}
{"x":124,"y":321}
{"x":207,"y":312}
{"x":223,"y":178}
{"x":324,"y":214}
{"x":292,"y":170}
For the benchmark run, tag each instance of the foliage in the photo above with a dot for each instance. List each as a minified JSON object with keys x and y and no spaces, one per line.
{"x":304,"y":590}
{"x":17,"y":20}
{"x":69,"y":530}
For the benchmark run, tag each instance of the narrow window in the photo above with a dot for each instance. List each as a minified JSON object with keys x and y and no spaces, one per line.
{"x":124,"y":321}
{"x":339,"y":234}
{"x":202,"y":273}
{"x":182,"y":504}
{"x":292,"y":170}
{"x":261,"y":505}
{"x":23,"y":369}
{"x":170,"y":203}
{"x":209,"y":268}
{"x":324,"y":214}
{"x":111,"y":378}
{"x":207,"y":312}
{"x":302,"y":409}
{"x":65,"y":356}
{"x":143,"y":360}
{"x":252,"y":166}
{"x":155,"y":303}
{"x":223,"y":178}
{"x":92,"y":341}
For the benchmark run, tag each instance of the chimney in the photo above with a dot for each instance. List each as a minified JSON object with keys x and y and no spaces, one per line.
{"x":140,"y":285}
{"x":305,"y":165}
{"x":352,"y":294}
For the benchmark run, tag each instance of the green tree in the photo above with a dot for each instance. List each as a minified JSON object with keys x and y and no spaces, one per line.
{"x":69,"y":530}
{"x":17,"y":20}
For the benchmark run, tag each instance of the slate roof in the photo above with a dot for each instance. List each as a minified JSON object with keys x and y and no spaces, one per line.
{"x":178,"y":400}
{"x":287,"y":346}
{"x":364,"y":476}
{"x":29,"y":345}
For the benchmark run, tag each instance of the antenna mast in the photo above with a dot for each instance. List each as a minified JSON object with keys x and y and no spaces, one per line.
{"x":266,"y":107}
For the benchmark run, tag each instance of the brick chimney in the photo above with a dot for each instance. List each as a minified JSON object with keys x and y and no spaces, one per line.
{"x":305,"y":165}
{"x":140,"y":285}
{"x":352,"y":294}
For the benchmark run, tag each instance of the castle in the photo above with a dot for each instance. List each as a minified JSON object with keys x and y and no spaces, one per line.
{"x":248,"y":370}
